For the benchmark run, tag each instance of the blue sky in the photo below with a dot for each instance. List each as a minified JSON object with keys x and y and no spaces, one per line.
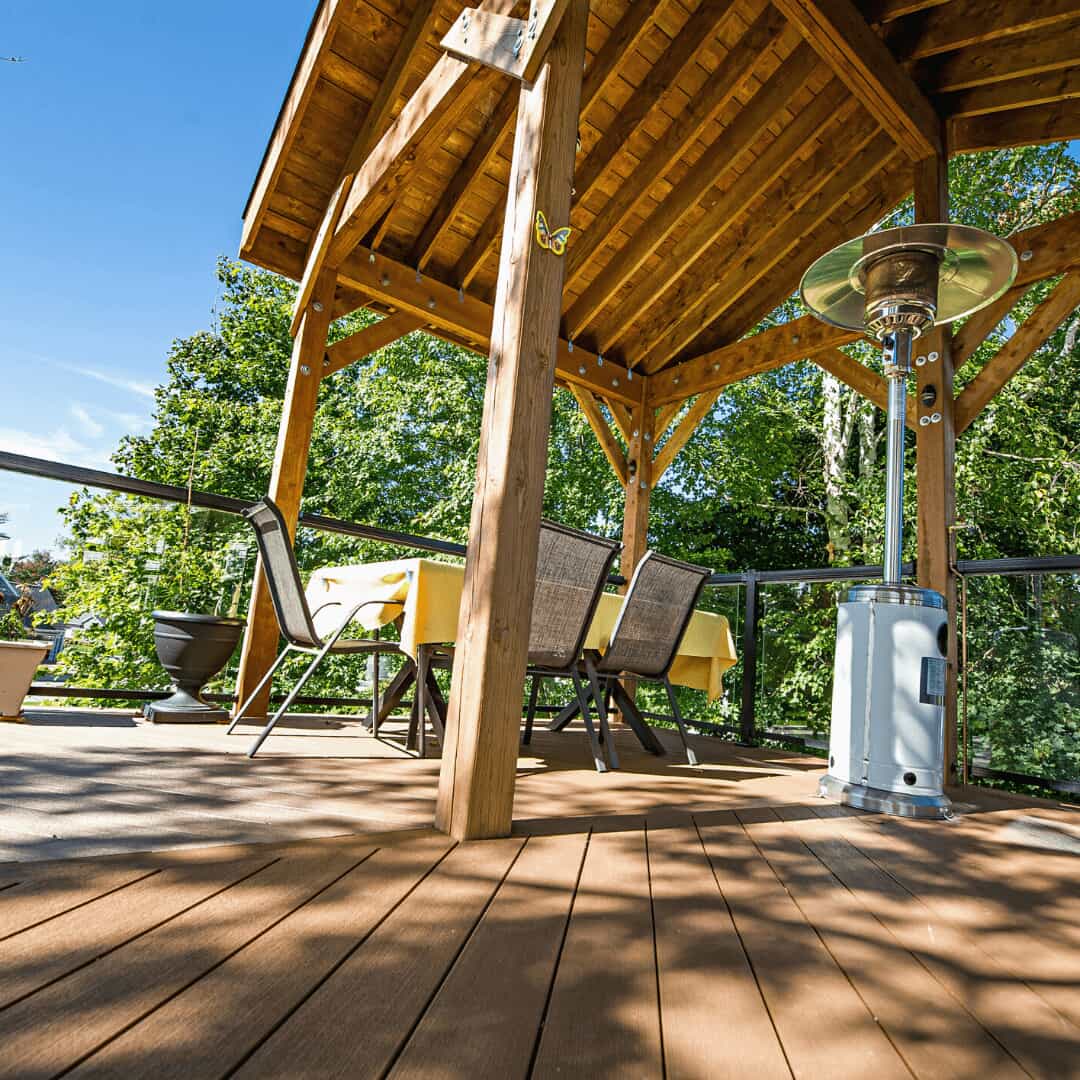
{"x":130,"y":140}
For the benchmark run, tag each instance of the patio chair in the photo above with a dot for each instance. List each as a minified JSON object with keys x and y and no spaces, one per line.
{"x":645,"y":640}
{"x":294,"y":617}
{"x":571,"y":570}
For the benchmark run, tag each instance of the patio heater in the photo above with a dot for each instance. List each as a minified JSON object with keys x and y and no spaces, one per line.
{"x":886,"y":744}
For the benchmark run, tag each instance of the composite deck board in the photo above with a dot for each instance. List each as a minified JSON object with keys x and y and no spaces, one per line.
{"x":215,"y":1024}
{"x":36,"y":900}
{"x":55,"y":1028}
{"x":824,"y":1025}
{"x":1031,"y":898}
{"x":52,"y":949}
{"x":356,"y":1022}
{"x":725,"y":923}
{"x":1035,"y":1034}
{"x":604,"y":1015}
{"x":484,"y":1019}
{"x":701,"y":963}
{"x":933,"y":1032}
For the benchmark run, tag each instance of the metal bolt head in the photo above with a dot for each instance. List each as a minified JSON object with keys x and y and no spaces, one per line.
{"x":317,"y":305}
{"x":384,"y":280}
{"x":304,"y":369}
{"x":431,"y":303}
{"x":794,"y":339}
{"x":581,"y":370}
{"x":644,"y":486}
{"x":924,"y":421}
{"x":614,"y":382}
{"x":1027,"y":256}
{"x":932,"y":358}
{"x":935,"y":418}
{"x":920,"y":360}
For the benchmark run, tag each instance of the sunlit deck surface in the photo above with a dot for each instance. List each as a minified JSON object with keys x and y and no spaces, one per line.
{"x":660,"y":921}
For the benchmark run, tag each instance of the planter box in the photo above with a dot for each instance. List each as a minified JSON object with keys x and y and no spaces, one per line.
{"x":18,"y":662}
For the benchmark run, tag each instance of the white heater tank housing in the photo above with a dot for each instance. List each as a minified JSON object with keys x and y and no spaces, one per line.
{"x":886,"y":745}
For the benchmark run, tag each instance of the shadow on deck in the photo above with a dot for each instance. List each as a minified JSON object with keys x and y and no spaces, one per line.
{"x":657,"y":922}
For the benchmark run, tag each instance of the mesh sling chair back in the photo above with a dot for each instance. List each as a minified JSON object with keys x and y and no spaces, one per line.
{"x":652,"y":622}
{"x":293,"y":614}
{"x":571,"y":570}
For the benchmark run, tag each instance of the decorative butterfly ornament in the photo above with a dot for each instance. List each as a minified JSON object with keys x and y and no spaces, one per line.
{"x":553,"y":240}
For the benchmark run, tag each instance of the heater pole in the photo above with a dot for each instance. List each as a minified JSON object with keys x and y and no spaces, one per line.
{"x":897,"y":368}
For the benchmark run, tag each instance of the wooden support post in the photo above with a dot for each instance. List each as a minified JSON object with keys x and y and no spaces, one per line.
{"x":476,"y":783}
{"x":638,"y":491}
{"x":287,"y":482}
{"x":936,"y":453}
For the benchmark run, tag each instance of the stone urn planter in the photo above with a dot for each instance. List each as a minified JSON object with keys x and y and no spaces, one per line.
{"x":18,"y":662}
{"x":192,"y":649}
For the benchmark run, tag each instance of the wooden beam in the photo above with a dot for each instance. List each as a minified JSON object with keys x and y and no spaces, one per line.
{"x":665,"y":416}
{"x":1057,"y":122}
{"x":961,"y":24}
{"x":621,"y":415}
{"x":495,"y":132}
{"x":302,"y":86}
{"x":796,"y":340}
{"x":684,"y":130}
{"x":286,"y":484}
{"x":466,"y":319}
{"x":516,"y":47}
{"x":979,"y":326}
{"x":375,"y":124}
{"x":620,"y":44}
{"x":1014,"y":57}
{"x":935,"y":452}
{"x":476,"y":782}
{"x":866,"y":206}
{"x":431,"y":111}
{"x":840,"y":35}
{"x":698,"y":300}
{"x":697,"y":34}
{"x":718,"y":157}
{"x":731,"y":208}
{"x":1046,"y":88}
{"x":862,"y":380}
{"x":681,"y":435}
{"x":1029,"y":336}
{"x":608,"y":443}
{"x":364,"y":342}
{"x":638,"y":492}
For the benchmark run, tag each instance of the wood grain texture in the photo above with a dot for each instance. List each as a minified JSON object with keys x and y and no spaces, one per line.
{"x":1011,"y":357}
{"x":476,"y":787}
{"x":602,"y":430}
{"x":837,"y":30}
{"x":364,"y":342}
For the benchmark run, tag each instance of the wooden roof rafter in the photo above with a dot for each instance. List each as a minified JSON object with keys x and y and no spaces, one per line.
{"x":840,"y":34}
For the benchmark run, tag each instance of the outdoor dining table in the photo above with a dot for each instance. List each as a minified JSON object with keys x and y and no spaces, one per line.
{"x":423,"y":597}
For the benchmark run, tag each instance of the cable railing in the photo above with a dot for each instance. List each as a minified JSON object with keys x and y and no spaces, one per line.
{"x":764,"y":608}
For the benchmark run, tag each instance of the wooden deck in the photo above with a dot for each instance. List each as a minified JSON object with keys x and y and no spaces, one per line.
{"x":659,"y":922}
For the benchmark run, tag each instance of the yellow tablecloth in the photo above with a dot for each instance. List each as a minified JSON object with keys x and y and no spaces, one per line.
{"x":431,"y":594}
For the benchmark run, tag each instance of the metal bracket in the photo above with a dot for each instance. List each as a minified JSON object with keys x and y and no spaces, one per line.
{"x":516,"y":47}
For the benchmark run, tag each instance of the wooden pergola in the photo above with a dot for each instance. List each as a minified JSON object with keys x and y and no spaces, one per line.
{"x":704,"y":152}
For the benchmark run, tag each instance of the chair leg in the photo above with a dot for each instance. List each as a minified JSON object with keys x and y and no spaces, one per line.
{"x":597,"y":753}
{"x":598,"y":698}
{"x":287,"y":702}
{"x":530,"y":713}
{"x":420,"y":700}
{"x":691,"y":757}
{"x":239,"y":714}
{"x":375,"y":695}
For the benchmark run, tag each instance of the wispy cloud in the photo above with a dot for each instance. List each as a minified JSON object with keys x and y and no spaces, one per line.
{"x":134,"y":386}
{"x":57,"y":445}
{"x":88,"y":425}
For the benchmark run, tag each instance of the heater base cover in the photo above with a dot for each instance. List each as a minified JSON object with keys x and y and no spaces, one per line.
{"x":897,"y":803}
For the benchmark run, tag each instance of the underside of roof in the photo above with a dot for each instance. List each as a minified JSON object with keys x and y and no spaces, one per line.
{"x":723,"y":147}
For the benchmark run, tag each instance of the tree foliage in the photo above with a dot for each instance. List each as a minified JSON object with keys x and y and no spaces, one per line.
{"x":786,"y":471}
